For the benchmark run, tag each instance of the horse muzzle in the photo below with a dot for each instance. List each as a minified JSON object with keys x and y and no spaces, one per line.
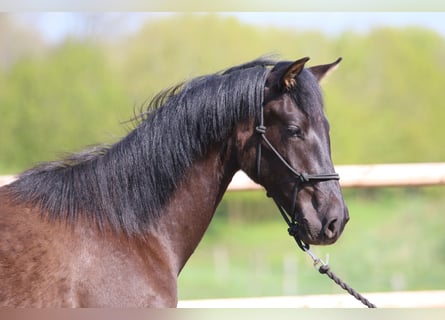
{"x":313,"y":230}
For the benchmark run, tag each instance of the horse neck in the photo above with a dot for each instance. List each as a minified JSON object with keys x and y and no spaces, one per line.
{"x":189,"y":212}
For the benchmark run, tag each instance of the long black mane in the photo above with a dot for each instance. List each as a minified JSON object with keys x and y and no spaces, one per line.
{"x":125,"y":185}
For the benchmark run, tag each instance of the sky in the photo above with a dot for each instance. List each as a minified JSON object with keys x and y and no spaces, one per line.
{"x":334,"y":23}
{"x":55,"y":26}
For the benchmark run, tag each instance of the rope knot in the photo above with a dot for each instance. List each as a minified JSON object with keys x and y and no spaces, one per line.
{"x":260,"y":129}
{"x":293,"y":230}
{"x":323,"y":269}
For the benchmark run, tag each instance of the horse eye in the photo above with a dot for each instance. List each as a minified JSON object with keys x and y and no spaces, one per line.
{"x":294,"y":131}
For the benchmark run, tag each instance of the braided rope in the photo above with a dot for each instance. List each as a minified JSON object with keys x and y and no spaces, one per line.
{"x":325,"y":269}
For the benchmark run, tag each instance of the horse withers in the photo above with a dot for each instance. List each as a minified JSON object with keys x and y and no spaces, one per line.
{"x":114,"y":225}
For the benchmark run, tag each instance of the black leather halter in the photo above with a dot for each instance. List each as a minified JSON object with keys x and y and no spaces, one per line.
{"x":301,"y":179}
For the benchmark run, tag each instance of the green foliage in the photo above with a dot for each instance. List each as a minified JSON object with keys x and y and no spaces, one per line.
{"x":384,"y":102}
{"x":57,"y":103}
{"x":191,"y":45}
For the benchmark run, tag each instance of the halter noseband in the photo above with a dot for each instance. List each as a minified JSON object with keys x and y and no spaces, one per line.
{"x":301,"y":179}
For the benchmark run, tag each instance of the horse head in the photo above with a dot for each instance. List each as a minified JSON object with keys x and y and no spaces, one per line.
{"x":287,"y":150}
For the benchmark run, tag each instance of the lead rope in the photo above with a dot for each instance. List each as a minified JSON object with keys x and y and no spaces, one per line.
{"x":324,"y":268}
{"x":320,"y":265}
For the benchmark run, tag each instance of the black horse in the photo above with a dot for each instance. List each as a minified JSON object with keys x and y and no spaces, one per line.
{"x":114,"y":226}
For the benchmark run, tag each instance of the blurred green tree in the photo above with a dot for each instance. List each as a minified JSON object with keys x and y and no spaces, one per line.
{"x":57,"y":103}
{"x":384,"y":103}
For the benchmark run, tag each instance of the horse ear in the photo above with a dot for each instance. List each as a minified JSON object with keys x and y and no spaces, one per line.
{"x":323,"y":70}
{"x":288,"y":79}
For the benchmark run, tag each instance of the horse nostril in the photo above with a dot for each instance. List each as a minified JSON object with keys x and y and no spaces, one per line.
{"x":330,"y":229}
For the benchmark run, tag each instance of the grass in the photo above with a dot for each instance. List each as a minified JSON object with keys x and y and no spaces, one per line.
{"x":394,"y":241}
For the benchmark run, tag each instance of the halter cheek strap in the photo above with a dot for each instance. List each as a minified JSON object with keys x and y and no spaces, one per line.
{"x":301,"y":179}
{"x":301,"y":176}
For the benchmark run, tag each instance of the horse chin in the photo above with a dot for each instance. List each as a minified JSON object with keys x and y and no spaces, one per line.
{"x":325,"y":242}
{"x":317,"y":240}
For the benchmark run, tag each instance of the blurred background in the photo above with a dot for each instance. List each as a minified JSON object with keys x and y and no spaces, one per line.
{"x":68,"y":80}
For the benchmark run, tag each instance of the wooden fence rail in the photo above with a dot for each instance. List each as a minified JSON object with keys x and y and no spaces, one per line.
{"x":405,"y":299}
{"x":356,"y":176}
{"x":375,"y":175}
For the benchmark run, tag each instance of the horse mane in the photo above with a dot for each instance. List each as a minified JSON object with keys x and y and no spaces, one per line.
{"x":125,"y":185}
